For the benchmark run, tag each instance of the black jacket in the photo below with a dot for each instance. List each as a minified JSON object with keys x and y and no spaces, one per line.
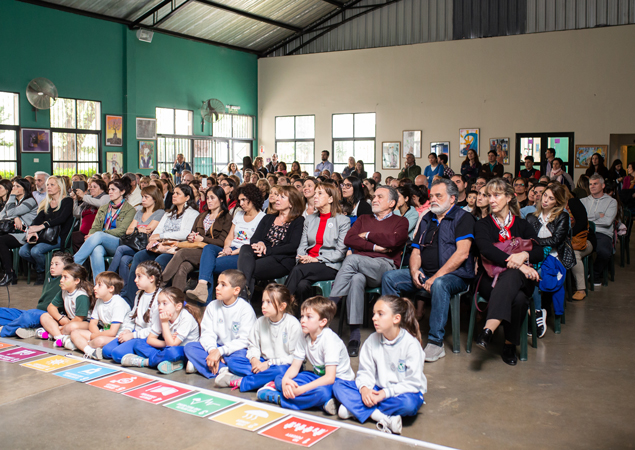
{"x":559,"y":229}
{"x":486,"y":235}
{"x":286,"y":251}
{"x":63,"y":217}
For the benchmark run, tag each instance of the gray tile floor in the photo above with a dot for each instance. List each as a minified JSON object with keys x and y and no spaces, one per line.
{"x":575,"y":391}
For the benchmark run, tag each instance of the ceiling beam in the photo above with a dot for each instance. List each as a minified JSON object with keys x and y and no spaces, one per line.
{"x":334,"y":2}
{"x":144,"y":16}
{"x":249,"y":15}
{"x":171,"y":13}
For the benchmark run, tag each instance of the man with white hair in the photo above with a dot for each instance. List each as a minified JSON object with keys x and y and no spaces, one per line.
{"x":40,"y":186}
{"x":440,"y":263}
{"x":134,"y":198}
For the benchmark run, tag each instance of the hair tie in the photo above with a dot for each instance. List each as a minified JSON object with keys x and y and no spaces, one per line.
{"x":184,"y":303}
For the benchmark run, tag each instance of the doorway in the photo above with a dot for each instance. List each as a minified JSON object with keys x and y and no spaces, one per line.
{"x":536,"y":145}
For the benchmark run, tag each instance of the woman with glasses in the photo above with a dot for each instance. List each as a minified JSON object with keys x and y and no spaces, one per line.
{"x":353,"y":202}
{"x":217,"y":258}
{"x":520,"y":188}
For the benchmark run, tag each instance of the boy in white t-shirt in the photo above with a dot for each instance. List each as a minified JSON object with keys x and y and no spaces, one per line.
{"x":327,"y":354}
{"x":107,"y":316}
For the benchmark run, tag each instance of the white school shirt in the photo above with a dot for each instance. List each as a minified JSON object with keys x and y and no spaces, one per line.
{"x":243,"y":231}
{"x":227,"y":327}
{"x":185,"y":327}
{"x":275,"y":341}
{"x":142,"y":329}
{"x":327,"y":350}
{"x":112,"y":311}
{"x":395,"y":366}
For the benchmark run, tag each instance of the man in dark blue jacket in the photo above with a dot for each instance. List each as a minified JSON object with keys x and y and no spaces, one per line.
{"x":440,"y":263}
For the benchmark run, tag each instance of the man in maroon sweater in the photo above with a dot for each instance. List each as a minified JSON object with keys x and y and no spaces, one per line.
{"x":377,"y":242}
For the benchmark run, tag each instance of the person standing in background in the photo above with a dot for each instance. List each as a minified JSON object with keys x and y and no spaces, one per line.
{"x":411,"y":169}
{"x":324,"y":165}
{"x":179,"y":166}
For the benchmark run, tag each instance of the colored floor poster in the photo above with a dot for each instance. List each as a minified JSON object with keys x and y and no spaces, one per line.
{"x":120,"y":382}
{"x":298,"y":431}
{"x":157,"y":392}
{"x":85,"y":373}
{"x":19,"y":354}
{"x":3,"y":345}
{"x":51,"y":363}
{"x":201,"y":405}
{"x":248,"y":417}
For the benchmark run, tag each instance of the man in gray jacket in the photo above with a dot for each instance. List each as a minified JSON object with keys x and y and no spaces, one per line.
{"x":602,"y":210}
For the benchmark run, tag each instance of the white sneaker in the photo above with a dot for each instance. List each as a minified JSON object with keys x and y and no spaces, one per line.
{"x":96,"y":355}
{"x":132,"y":360}
{"x":390,"y":425}
{"x":41,"y":333}
{"x":225,"y":378}
{"x":26,"y":333}
{"x":330,"y":407}
{"x":541,"y":325}
{"x":68,"y":343}
{"x":343,"y":412}
{"x":433,"y":352}
{"x":189,"y":368}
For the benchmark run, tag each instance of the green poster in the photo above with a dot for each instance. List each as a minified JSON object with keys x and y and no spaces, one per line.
{"x":200,"y":405}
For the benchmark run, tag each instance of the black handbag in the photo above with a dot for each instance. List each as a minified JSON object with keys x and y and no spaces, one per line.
{"x":136,"y":241}
{"x":48,"y":235}
{"x":7,"y":226}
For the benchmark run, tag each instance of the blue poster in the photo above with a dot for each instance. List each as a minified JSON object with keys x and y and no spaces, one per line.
{"x":85,"y":373}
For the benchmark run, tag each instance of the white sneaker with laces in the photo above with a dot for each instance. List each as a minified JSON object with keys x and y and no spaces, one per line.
{"x":68,"y":343}
{"x":132,"y":360}
{"x":225,"y":377}
{"x":26,"y":333}
{"x":390,"y":425}
{"x":343,"y":412}
{"x":330,"y":407}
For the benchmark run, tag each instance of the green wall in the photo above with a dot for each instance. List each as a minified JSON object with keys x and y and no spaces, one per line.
{"x":97,"y":60}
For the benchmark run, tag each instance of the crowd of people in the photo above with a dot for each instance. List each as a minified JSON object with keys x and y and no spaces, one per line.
{"x":123,"y":282}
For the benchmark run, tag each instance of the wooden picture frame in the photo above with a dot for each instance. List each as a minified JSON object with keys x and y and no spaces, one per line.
{"x":583,"y":154}
{"x":390,"y":155}
{"x":411,"y":143}
{"x":146,"y":128}
{"x":468,"y":140}
{"x":114,"y":131}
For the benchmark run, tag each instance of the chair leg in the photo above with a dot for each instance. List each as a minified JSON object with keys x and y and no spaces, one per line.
{"x":585,"y":262}
{"x":534,"y":327}
{"x":523,"y":339}
{"x":470,"y":330}
{"x":612,"y":268}
{"x":622,"y":251}
{"x":591,"y":276}
{"x":455,"y":307}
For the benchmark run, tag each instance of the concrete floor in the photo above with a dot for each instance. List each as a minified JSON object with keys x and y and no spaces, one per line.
{"x":575,"y":391}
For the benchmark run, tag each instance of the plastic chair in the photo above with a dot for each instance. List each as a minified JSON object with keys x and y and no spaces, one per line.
{"x":523,"y":328}
{"x":455,"y":312}
{"x":49,"y":255}
{"x":324,"y":287}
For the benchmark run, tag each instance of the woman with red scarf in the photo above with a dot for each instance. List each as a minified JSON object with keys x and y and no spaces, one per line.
{"x":508,"y":298}
{"x":110,"y":224}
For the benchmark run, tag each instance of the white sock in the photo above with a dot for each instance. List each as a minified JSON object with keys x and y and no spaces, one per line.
{"x":89,"y":350}
{"x":378,"y":416}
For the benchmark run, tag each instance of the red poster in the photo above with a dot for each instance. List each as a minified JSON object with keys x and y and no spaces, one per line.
{"x":120,"y":382}
{"x":157,"y":392}
{"x":299,"y":431}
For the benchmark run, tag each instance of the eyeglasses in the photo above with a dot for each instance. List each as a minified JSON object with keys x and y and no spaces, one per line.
{"x":346,"y":185}
{"x":224,"y":185}
{"x":424,"y":245}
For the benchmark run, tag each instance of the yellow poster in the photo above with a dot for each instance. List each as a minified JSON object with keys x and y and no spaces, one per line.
{"x":51,"y":363}
{"x":248,"y":417}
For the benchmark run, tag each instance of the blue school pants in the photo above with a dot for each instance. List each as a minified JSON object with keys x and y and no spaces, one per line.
{"x":401,"y":405}
{"x":26,"y":319}
{"x":157,"y":355}
{"x":115,"y":351}
{"x":239,"y":365}
{"x":196,"y":354}
{"x":314,"y":398}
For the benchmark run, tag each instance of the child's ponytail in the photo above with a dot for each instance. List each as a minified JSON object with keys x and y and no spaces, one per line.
{"x":405,"y":308}
{"x":177,"y":296}
{"x":80,"y":273}
{"x":151,"y":269}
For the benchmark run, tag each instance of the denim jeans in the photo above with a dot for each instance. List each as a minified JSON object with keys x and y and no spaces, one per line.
{"x":212,"y":265}
{"x":536,"y":294}
{"x":97,"y":247}
{"x":399,"y":282}
{"x":36,"y":253}
{"x":130,"y":288}
{"x":121,"y":261}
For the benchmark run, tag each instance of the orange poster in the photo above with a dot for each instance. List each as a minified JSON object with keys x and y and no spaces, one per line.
{"x":299,"y":431}
{"x":248,"y":417}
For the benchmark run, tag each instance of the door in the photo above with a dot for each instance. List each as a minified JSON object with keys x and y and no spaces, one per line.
{"x":536,"y":145}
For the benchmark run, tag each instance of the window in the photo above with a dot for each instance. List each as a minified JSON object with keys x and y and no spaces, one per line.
{"x":9,"y":127}
{"x":174,"y":121}
{"x":238,"y":133}
{"x":75,"y":134}
{"x":354,"y":135}
{"x":295,"y":141}
{"x":171,"y":124}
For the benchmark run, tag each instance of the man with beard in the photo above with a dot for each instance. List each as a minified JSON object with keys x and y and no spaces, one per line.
{"x":440,"y":263}
{"x":324,"y":165}
{"x":377,"y":242}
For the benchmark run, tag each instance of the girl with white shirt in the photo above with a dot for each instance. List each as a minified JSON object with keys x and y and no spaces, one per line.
{"x":390,"y":381}
{"x":272,"y":342}
{"x":137,"y":324}
{"x":175,"y":225}
{"x":174,"y":324}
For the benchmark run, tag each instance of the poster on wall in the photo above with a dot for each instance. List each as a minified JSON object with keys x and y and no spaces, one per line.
{"x":501,"y":147}
{"x":583,"y":154}
{"x":390,"y":155}
{"x":441,"y":148}
{"x":36,"y":140}
{"x":114,"y":131}
{"x":412,"y":143}
{"x":468,"y":140}
{"x":146,"y":154}
{"x":114,"y":162}
{"x":146,"y":128}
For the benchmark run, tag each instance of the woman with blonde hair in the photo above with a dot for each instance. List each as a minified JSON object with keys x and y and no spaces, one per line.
{"x":232,"y":169}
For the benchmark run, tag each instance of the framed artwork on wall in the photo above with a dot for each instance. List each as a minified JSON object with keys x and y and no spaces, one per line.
{"x":114,"y":162}
{"x":501,"y":147}
{"x":468,"y":140}
{"x":412,"y":143}
{"x":583,"y":154}
{"x":441,"y":148}
{"x":114,"y":131}
{"x":35,"y":140}
{"x":390,"y":155}
{"x":146,"y":128}
{"x":146,"y":154}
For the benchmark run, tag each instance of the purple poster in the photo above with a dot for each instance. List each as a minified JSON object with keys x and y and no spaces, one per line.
{"x":19,"y":354}
{"x":36,"y":140}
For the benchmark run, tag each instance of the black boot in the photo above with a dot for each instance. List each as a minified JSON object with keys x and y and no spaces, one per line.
{"x":40,"y":279}
{"x":7,"y":278}
{"x":484,"y":338}
{"x":509,"y":354}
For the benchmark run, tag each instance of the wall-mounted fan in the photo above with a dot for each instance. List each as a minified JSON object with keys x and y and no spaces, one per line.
{"x":41,"y":93}
{"x":211,"y":110}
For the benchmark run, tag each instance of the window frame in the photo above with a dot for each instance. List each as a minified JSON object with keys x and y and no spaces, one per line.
{"x":295,"y":141}
{"x":18,"y":137}
{"x":231,"y":139}
{"x":191,"y":111}
{"x":354,"y":139}
{"x":77,"y":131}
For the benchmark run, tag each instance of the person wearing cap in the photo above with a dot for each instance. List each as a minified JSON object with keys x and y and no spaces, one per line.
{"x":134,"y":198}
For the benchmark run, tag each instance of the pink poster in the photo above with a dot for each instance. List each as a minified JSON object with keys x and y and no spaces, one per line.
{"x":19,"y":354}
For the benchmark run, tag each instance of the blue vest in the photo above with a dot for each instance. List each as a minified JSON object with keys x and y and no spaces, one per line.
{"x":446,"y":239}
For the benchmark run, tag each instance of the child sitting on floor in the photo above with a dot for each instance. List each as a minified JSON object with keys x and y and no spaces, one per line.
{"x":272,"y":342}
{"x":327,"y":354}
{"x":69,"y":309}
{"x":390,"y":381}
{"x":225,"y":328}
{"x":107,"y":316}
{"x":175,"y":325}
{"x":138,"y":322}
